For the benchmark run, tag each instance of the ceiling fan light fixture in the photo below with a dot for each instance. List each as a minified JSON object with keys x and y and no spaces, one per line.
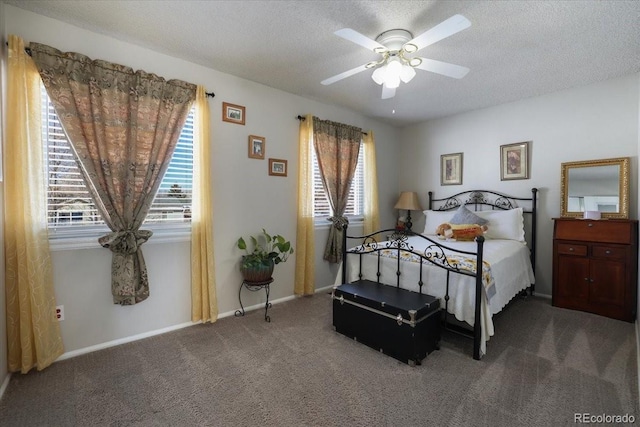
{"x":407,"y":73}
{"x":396,"y":47}
{"x":414,"y":62}
{"x":379,"y":75}
{"x":392,"y":75}
{"x":409,"y":48}
{"x":392,"y":82}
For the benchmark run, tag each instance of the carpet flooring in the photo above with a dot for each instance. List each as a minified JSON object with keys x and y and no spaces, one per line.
{"x":542,"y":367}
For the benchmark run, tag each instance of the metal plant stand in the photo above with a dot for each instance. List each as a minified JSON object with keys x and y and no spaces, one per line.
{"x":253,"y":287}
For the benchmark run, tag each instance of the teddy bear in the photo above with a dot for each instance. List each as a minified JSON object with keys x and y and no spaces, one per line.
{"x":460,"y":232}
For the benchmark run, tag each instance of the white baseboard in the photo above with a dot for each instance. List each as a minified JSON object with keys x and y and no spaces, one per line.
{"x":325,"y":288}
{"x":5,"y":384}
{"x":132,"y":338}
{"x":256,"y":306}
{"x":102,"y":346}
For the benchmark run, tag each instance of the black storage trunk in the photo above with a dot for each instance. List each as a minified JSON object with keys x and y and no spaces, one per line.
{"x":400,"y":323}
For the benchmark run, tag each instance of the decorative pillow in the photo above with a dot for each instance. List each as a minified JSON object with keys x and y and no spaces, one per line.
{"x":465,"y":216}
{"x":460,"y":232}
{"x":433,"y":219}
{"x":507,"y":224}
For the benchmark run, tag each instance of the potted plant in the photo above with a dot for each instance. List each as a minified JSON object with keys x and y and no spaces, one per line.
{"x":266,"y":251}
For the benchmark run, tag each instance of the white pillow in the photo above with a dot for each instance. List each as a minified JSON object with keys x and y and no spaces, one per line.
{"x":433,"y":219}
{"x":507,"y":224}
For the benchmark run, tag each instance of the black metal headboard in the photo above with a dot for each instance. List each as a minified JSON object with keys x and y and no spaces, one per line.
{"x":493,"y":200}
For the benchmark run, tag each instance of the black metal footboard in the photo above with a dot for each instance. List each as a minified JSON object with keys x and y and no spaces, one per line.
{"x":433,"y":254}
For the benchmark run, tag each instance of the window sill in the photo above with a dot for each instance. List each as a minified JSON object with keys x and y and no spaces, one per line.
{"x":69,"y":240}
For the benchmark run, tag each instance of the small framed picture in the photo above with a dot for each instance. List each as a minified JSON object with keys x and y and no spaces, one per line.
{"x":451,"y":169}
{"x":233,"y":113}
{"x":514,"y":161}
{"x":256,"y":147}
{"x":277,"y":167}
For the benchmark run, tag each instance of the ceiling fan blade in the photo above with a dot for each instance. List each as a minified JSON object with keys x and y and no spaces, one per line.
{"x":443,"y":30}
{"x":344,"y":75}
{"x":444,"y":68}
{"x":388,"y":92}
{"x":357,"y":38}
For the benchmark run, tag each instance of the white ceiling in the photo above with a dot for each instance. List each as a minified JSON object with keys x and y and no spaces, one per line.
{"x":515,"y":49}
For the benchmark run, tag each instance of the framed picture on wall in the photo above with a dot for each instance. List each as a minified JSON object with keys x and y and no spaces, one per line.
{"x":514,"y":161}
{"x":256,"y":147}
{"x":233,"y":113}
{"x":277,"y":167}
{"x":451,"y":169}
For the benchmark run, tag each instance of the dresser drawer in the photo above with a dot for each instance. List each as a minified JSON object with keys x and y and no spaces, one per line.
{"x":609,"y":251}
{"x":608,"y":231}
{"x":569,"y":249}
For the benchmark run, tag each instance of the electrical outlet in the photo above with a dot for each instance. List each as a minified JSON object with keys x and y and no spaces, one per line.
{"x":60,"y":313}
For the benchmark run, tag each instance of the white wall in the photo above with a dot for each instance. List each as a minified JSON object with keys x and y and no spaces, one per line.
{"x":592,"y":122}
{"x":246,"y":199}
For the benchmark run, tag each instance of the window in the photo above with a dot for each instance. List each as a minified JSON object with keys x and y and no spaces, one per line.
{"x":69,"y":205}
{"x":355,"y":203}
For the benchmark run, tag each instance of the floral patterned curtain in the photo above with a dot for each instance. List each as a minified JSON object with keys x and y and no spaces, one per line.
{"x":337,"y":147}
{"x":123,"y":127}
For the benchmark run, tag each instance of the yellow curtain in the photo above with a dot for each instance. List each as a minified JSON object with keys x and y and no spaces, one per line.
{"x":33,"y":332}
{"x":371,"y":213}
{"x":204,"y":305}
{"x":305,"y":244}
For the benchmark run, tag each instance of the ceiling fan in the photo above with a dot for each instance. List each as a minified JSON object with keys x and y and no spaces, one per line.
{"x":396,"y":46}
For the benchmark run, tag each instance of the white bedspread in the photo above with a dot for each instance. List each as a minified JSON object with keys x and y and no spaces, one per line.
{"x":510,"y":268}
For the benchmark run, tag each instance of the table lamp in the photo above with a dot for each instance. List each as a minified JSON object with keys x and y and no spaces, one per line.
{"x":409,"y":201}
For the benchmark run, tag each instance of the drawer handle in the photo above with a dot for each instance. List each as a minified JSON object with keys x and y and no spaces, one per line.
{"x":571,"y":249}
{"x":608,"y":252}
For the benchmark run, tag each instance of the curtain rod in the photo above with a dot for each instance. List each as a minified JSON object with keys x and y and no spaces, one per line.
{"x":209,"y":94}
{"x":302,"y":119}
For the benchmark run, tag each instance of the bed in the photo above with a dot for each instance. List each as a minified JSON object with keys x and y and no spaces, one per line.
{"x":426,"y":263}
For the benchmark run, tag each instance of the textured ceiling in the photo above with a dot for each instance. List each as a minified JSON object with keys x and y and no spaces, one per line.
{"x":515,"y":49}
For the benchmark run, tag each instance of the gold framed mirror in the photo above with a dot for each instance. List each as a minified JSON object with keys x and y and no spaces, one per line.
{"x":595,"y":185}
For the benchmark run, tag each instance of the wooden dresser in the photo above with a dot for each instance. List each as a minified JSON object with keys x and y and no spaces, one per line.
{"x":595,"y":266}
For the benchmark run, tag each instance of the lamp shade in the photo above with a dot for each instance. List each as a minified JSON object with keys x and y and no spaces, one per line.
{"x":409,"y":201}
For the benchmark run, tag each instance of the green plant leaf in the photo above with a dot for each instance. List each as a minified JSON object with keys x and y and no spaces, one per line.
{"x":267,"y":249}
{"x":242,"y":244}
